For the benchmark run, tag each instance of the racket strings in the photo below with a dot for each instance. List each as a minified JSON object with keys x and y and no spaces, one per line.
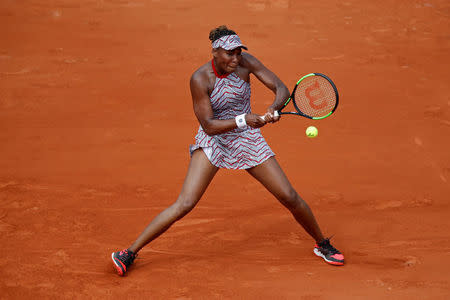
{"x":315,"y":96}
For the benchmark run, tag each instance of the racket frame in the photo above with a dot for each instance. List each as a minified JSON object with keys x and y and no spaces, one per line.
{"x":298,"y":111}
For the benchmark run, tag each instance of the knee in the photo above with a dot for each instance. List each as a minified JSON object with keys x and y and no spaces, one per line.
{"x":184,"y":205}
{"x":291,"y":199}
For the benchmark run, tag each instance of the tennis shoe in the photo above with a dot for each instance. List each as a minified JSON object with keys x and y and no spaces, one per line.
{"x":123,"y":260}
{"x":330,"y":254}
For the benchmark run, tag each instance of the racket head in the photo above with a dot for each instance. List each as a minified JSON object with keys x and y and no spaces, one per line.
{"x":315,"y":96}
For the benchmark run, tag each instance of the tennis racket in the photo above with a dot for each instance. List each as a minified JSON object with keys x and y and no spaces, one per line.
{"x":314,"y":96}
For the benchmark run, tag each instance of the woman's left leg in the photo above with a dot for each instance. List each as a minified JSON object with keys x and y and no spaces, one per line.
{"x":273,"y":178}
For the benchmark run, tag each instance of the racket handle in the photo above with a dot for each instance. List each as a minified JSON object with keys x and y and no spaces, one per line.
{"x":276,"y":114}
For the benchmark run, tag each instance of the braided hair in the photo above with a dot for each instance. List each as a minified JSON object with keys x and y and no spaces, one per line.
{"x":219,"y":32}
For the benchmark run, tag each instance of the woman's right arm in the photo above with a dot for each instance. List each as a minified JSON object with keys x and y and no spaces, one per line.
{"x":204,"y":112}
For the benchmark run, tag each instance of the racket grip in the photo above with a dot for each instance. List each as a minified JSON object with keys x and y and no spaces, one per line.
{"x":276,"y":114}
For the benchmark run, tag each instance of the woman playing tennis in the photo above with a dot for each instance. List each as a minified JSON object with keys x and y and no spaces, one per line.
{"x":229,"y":137}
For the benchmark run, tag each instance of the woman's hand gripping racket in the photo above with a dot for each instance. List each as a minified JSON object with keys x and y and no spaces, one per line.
{"x":314,"y":96}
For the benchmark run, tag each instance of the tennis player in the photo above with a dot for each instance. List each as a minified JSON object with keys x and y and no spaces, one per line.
{"x":229,"y":137}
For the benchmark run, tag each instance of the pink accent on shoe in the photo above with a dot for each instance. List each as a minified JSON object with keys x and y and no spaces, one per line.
{"x":338,"y":256}
{"x":124,"y":267}
{"x":334,"y":263}
{"x":118,"y":269}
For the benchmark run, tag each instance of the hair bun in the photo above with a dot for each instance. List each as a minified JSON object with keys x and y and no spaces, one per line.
{"x":219,"y":32}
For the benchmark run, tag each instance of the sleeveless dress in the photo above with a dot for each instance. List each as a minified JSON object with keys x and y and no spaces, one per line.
{"x":239,"y":148}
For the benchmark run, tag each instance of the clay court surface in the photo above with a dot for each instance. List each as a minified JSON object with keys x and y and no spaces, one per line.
{"x":96,"y":118}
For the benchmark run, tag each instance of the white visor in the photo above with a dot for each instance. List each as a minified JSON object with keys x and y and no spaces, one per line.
{"x":228,"y":42}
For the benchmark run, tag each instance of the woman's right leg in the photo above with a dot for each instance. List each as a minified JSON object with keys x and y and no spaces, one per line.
{"x":199,"y":175}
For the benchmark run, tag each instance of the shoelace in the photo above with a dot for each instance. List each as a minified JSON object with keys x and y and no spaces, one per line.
{"x":326,"y":245}
{"x":127,"y":257}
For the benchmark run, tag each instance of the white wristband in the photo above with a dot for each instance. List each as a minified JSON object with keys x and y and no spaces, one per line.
{"x":240,"y":121}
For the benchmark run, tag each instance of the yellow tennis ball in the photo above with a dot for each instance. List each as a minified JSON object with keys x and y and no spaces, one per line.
{"x":311,"y":132}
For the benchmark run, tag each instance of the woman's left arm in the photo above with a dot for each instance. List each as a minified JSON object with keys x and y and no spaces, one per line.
{"x":270,"y":80}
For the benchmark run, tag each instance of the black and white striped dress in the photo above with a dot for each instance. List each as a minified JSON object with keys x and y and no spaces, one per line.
{"x":239,"y":148}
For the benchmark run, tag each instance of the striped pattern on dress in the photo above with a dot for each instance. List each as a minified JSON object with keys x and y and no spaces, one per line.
{"x":239,"y":148}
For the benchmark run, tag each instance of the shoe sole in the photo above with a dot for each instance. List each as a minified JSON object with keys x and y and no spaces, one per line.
{"x":334,"y":263}
{"x":118,"y":265}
